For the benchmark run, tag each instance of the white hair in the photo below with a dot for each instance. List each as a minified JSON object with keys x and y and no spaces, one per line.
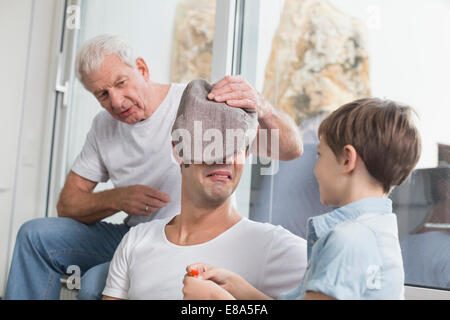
{"x":90,"y":56}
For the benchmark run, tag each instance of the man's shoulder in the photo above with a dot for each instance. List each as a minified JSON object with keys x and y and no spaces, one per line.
{"x":283,"y":254}
{"x":103,"y":121}
{"x":177,"y":89}
{"x":147,"y":229}
{"x":272,"y":232}
{"x":179,"y":86}
{"x":103,"y":116}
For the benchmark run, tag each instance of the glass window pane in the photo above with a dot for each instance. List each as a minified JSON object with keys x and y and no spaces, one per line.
{"x":310,"y":57}
{"x":422,"y":205}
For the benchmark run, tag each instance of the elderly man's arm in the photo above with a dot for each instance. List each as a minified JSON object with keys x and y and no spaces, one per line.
{"x":289,"y":137}
{"x":79,"y":201}
{"x":237,"y":92}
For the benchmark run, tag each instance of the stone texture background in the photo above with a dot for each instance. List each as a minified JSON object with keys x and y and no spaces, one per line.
{"x":318,"y":58}
{"x":193,"y":40}
{"x":318,"y":61}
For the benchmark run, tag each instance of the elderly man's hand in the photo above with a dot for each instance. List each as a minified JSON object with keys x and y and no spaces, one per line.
{"x":237,"y":92}
{"x":140,"y":200}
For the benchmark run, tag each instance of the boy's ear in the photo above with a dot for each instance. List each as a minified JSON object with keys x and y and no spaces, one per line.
{"x":348,"y":158}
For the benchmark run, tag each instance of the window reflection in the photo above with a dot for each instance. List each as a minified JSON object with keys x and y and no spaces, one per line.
{"x":321,"y":54}
{"x":318,"y":61}
{"x":193,"y":40}
{"x":422,"y":205}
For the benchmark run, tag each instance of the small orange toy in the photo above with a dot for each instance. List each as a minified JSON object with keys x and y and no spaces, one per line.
{"x":193,"y":273}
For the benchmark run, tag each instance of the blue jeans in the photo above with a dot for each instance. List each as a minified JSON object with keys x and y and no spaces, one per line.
{"x":46,"y":247}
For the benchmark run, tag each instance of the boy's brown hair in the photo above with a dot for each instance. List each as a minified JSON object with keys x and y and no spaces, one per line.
{"x":383,"y":134}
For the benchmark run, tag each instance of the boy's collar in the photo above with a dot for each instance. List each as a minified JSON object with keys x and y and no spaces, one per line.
{"x":326,"y":222}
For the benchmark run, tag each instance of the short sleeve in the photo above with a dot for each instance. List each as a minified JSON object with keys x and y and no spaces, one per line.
{"x":118,"y":281}
{"x":285,"y":263}
{"x":347,"y":265}
{"x":89,"y":163}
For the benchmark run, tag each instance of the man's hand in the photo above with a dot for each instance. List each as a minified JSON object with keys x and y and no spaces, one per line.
{"x":79,"y":201}
{"x":224,"y":278}
{"x":227,"y":281}
{"x":140,"y":200}
{"x":198,"y":289}
{"x":237,"y":92}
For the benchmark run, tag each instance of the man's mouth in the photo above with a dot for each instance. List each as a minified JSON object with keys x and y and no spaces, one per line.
{"x":220,"y":175}
{"x":126,"y":112}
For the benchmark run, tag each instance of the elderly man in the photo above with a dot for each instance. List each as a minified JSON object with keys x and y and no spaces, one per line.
{"x":151,"y":259}
{"x":129,"y":144}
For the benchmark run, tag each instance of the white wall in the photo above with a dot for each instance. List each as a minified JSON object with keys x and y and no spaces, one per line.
{"x":26,"y":29}
{"x":13,"y":16}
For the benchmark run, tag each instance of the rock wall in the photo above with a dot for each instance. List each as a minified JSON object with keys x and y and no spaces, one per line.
{"x":318,"y":61}
{"x":318,"y":58}
{"x":193,"y":40}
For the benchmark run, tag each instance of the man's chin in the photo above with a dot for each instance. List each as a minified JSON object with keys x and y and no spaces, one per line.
{"x":216,"y":199}
{"x":131,"y":119}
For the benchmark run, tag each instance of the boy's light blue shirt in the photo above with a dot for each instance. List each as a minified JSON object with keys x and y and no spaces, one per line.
{"x":354,"y":253}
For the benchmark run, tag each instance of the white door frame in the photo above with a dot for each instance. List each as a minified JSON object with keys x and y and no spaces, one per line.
{"x":65,"y":76}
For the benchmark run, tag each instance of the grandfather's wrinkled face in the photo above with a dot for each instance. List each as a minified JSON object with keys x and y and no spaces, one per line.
{"x":120,"y":89}
{"x":213,"y":184}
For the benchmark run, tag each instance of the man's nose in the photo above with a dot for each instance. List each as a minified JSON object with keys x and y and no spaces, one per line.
{"x":230,"y":160}
{"x":116,"y":99}
{"x":237,"y":158}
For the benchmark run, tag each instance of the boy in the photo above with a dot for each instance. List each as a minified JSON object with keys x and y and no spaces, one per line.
{"x":366,"y":147}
